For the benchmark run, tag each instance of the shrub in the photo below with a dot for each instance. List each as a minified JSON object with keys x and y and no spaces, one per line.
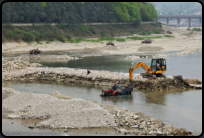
{"x":102,"y":34}
{"x":21,"y":32}
{"x":28,"y":37}
{"x":47,"y":26}
{"x":143,"y":33}
{"x":156,"y":32}
{"x":68,"y":36}
{"x":17,"y":37}
{"x":124,"y":26}
{"x":196,"y":29}
{"x":66,"y":30}
{"x":112,"y":34}
{"x":10,"y":34}
{"x":59,"y":37}
{"x":51,"y":39}
{"x":37,"y":35}
{"x":110,"y":27}
{"x":49,"y":35}
{"x":149,"y":33}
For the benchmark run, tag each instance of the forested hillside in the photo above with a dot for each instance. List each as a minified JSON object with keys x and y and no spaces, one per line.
{"x":178,"y":8}
{"x":77,"y":12}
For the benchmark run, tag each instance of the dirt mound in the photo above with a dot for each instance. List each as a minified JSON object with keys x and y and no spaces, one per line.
{"x":193,"y":81}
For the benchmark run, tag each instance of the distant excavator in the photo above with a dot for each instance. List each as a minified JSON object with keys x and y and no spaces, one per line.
{"x":158,"y":66}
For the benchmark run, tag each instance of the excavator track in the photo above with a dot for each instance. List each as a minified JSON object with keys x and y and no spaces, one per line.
{"x":146,"y":75}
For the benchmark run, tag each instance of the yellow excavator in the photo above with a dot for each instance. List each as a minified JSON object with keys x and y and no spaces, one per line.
{"x":157,"y":67}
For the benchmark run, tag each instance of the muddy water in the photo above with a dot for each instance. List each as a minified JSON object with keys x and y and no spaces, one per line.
{"x":179,"y":108}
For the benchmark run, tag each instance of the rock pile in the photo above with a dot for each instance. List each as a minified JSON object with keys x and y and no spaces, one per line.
{"x":161,"y":55}
{"x":186,"y":52}
{"x":149,"y":126}
{"x":175,"y":82}
{"x":17,"y":65}
{"x":63,"y":113}
{"x":41,"y":58}
{"x":132,"y":57}
{"x":180,"y":53}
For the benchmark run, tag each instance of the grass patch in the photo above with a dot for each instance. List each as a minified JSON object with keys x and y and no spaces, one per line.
{"x":196,"y":29}
{"x":156,"y":32}
{"x":70,"y":40}
{"x":120,"y":39}
{"x":168,"y":36}
{"x":135,"y":38}
{"x":143,"y":38}
{"x":39,"y":43}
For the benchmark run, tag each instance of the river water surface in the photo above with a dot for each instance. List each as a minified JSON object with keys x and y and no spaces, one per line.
{"x":181,"y":108}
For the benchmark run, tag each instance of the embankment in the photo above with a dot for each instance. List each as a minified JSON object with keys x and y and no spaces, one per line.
{"x":24,"y":71}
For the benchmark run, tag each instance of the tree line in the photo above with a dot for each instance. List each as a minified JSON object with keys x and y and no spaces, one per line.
{"x":77,"y":12}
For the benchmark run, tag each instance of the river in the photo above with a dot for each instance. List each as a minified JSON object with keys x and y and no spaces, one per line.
{"x":182,"y":109}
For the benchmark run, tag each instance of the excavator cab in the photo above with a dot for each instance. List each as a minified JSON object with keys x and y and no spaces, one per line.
{"x":158,"y":69}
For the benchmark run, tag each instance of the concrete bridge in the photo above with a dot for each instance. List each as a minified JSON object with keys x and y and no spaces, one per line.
{"x":179,"y":17}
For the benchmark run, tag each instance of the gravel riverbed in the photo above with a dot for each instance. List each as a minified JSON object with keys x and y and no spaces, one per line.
{"x":63,"y":112}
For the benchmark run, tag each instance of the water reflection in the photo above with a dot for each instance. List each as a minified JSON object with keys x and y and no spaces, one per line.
{"x":159,"y":97}
{"x":121,"y":98}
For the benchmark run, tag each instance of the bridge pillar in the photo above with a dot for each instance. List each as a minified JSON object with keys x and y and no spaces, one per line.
{"x":190,"y":22}
{"x":179,"y":21}
{"x":168,"y":20}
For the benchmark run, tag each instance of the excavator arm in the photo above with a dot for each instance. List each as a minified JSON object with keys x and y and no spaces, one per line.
{"x":134,"y":67}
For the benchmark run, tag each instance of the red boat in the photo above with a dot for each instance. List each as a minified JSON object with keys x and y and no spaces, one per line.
{"x":109,"y":92}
